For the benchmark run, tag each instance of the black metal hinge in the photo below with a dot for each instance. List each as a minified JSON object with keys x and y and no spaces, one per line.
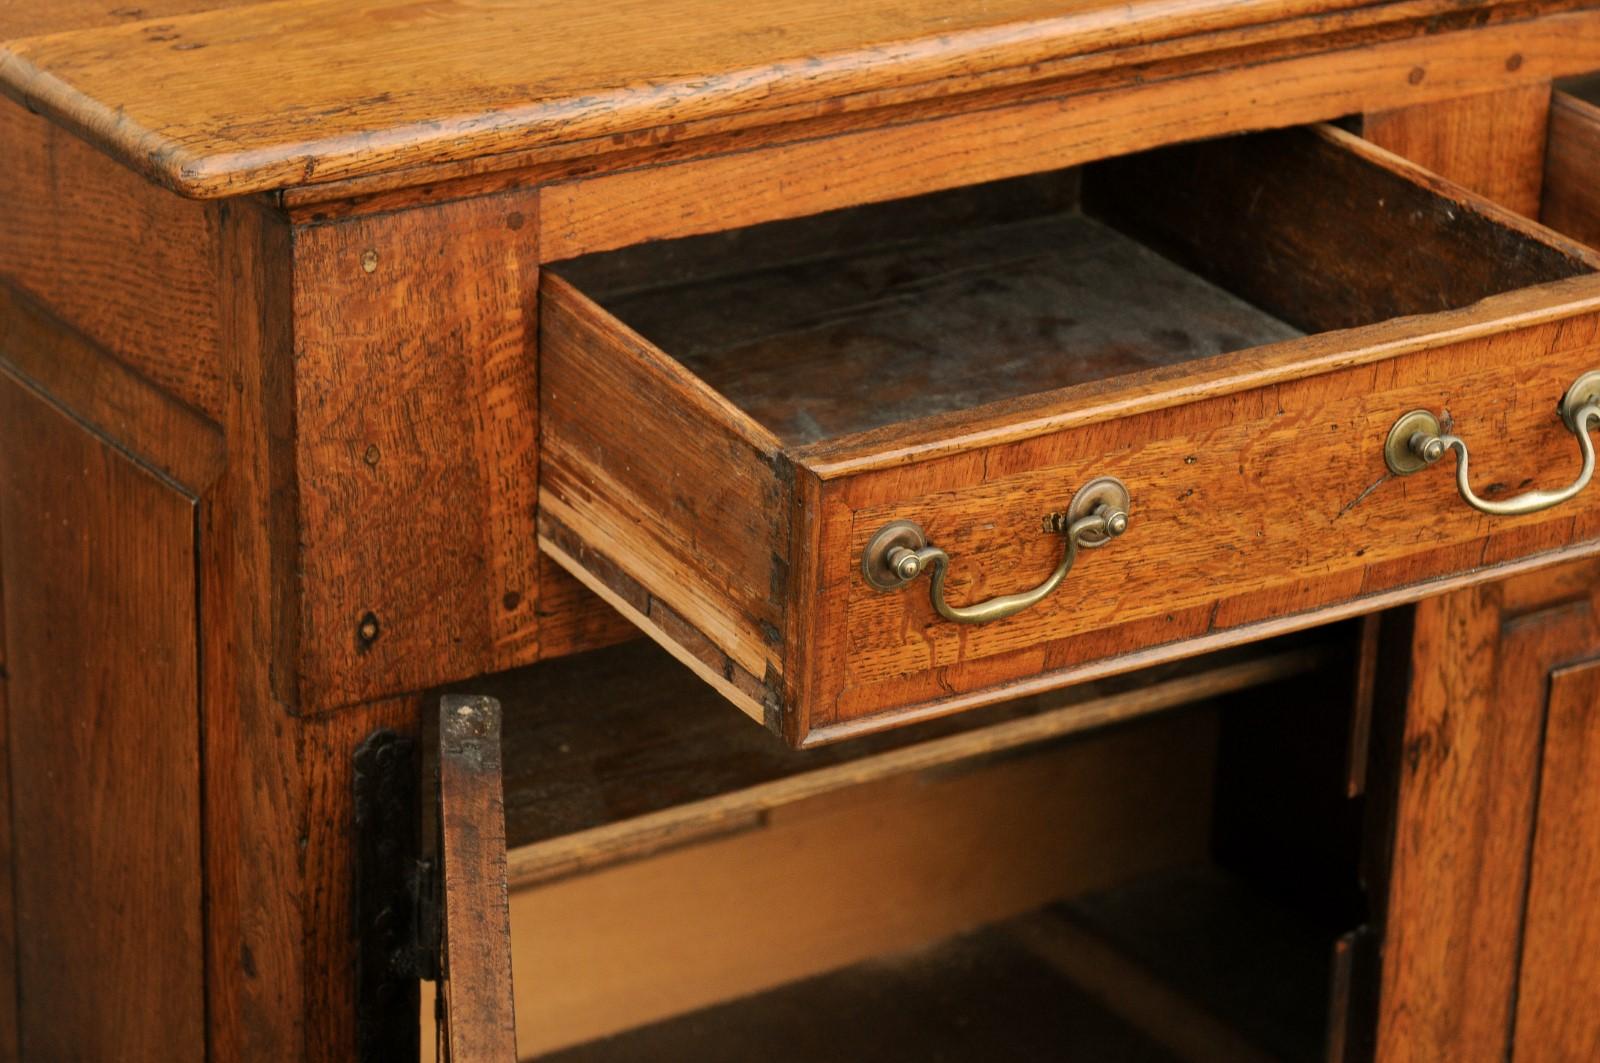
{"x":396,"y":898}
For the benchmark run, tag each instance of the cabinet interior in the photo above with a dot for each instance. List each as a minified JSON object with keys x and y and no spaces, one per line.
{"x":683,"y":885}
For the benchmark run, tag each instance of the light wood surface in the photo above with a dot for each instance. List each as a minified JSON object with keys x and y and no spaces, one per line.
{"x":1492,"y":143}
{"x":199,"y":101}
{"x":973,"y":998}
{"x":679,"y":489}
{"x":416,"y":448}
{"x":29,"y":18}
{"x":890,"y":865}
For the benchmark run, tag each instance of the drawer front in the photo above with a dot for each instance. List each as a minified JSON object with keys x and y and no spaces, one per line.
{"x":1253,"y":507}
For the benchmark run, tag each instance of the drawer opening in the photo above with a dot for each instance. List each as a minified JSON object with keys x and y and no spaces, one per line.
{"x":683,"y":886}
{"x":729,"y":425}
{"x":991,"y":294}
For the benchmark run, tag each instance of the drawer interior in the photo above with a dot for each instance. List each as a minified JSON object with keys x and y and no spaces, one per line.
{"x":821,"y":328}
{"x":685,"y":886}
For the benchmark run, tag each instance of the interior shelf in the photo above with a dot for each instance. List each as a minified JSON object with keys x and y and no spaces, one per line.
{"x":620,"y":752}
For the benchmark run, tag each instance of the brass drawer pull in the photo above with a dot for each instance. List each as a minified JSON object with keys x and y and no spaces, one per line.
{"x":900,"y":552}
{"x":1417,"y":441}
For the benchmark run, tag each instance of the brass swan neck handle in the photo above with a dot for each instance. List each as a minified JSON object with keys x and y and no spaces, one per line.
{"x":1418,"y":441}
{"x":900,"y":552}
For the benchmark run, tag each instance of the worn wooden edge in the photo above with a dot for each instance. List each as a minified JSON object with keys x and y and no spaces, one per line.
{"x":1443,"y":188}
{"x":226,"y":161}
{"x":1161,"y":68}
{"x":1157,"y":389}
{"x":1173,"y":651}
{"x":802,"y":670}
{"x":480,"y":1022}
{"x":1569,"y":101}
{"x":652,"y":616}
{"x":745,"y":809}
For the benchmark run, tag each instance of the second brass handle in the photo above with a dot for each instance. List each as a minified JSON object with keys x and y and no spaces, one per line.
{"x":1417,"y":441}
{"x":900,"y":552}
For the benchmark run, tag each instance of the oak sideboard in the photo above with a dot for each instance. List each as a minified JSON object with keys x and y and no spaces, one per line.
{"x":800,"y":531}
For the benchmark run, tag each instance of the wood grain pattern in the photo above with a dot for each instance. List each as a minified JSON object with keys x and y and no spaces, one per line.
{"x":1493,"y":143}
{"x":668,"y":483}
{"x":828,"y":163}
{"x":1200,"y":443}
{"x":10,"y":1032}
{"x":130,"y":266}
{"x":226,"y":121}
{"x":945,"y":323}
{"x":475,"y":973}
{"x":100,"y":556}
{"x":1560,"y":970}
{"x":571,"y":617}
{"x":257,"y":823}
{"x":1571,"y":202}
{"x":885,"y":866}
{"x":1198,"y":477}
{"x":124,"y":407}
{"x":278,"y":802}
{"x":416,"y":447}
{"x":28,"y":18}
{"x":1467,"y":768}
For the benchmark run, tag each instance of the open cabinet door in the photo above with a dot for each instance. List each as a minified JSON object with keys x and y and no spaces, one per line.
{"x":476,"y":1024}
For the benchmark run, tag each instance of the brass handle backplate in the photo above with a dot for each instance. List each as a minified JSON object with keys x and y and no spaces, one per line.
{"x":1418,"y":440}
{"x":900,"y":552}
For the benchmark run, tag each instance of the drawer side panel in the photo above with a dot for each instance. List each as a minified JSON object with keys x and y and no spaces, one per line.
{"x":663,"y":498}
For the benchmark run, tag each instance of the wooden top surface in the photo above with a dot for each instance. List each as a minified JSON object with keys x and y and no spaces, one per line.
{"x":247,"y":97}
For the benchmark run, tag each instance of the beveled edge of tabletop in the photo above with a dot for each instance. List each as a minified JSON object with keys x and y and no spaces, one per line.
{"x":254,"y":97}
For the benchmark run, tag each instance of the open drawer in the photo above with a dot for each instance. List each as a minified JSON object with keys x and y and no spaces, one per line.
{"x":854,"y":479}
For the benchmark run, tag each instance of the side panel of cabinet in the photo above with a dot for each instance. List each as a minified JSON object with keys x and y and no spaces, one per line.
{"x":103,"y":743}
{"x":1560,"y":985}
